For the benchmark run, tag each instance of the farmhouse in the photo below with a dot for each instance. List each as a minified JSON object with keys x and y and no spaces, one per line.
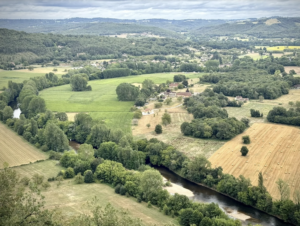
{"x":240,"y":98}
{"x":148,"y":112}
{"x":184,"y":94}
{"x":170,"y":94}
{"x":173,"y":85}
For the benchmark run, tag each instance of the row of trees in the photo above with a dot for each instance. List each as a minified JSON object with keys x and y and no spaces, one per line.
{"x":284,"y":116}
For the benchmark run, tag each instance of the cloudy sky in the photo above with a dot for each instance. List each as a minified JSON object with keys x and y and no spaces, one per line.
{"x":145,"y":9}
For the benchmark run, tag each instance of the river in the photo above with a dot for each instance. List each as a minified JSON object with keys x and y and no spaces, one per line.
{"x":15,"y":106}
{"x":206,"y":195}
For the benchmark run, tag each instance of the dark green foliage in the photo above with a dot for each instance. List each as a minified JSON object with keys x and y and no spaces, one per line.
{"x":127,"y":92}
{"x":179,"y":78}
{"x":55,"y":155}
{"x":79,"y":82}
{"x":114,"y":73}
{"x":185,"y":83}
{"x":246,"y":139}
{"x":216,"y":127}
{"x":117,"y":188}
{"x":55,"y":138}
{"x":62,"y":116}
{"x":158,"y":129}
{"x":283,"y":116}
{"x":245,"y":121}
{"x":255,"y":113}
{"x":244,"y":151}
{"x":69,"y":173}
{"x":166,"y":119}
{"x":88,"y":176}
{"x":122,"y":190}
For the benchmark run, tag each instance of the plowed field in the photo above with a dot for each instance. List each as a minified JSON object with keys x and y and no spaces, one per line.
{"x":274,"y":150}
{"x":16,"y":151}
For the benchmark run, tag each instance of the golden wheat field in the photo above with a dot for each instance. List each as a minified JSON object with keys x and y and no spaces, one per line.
{"x":16,"y":151}
{"x":274,"y":150}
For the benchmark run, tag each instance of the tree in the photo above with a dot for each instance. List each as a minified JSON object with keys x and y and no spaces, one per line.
{"x":62,"y":116}
{"x":261,"y":98}
{"x":244,"y":151}
{"x":86,"y":152}
{"x":7,"y":113}
{"x":148,"y":125}
{"x":30,"y":68}
{"x":69,"y":173}
{"x":79,"y":179}
{"x":185,"y":83}
{"x":283,"y":189}
{"x":88,"y":176}
{"x":158,"y":129}
{"x":127,"y":92}
{"x":166,"y":119}
{"x":55,"y":138}
{"x":99,"y":134}
{"x":246,"y":139}
{"x":79,"y":82}
{"x":36,"y":105}
{"x":18,"y":207}
{"x":151,"y":183}
{"x":168,"y":101}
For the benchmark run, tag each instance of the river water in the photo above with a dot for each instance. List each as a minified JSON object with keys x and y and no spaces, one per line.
{"x":206,"y":195}
{"x":17,"y":111}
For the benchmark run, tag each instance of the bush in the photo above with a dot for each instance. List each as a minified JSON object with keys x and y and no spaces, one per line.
{"x":255,"y":113}
{"x":244,"y":151}
{"x":25,"y":181}
{"x":246,"y":139}
{"x":158,"y":129}
{"x":149,"y":205}
{"x":88,"y":176}
{"x":158,"y":105}
{"x":37,"y":179}
{"x":69,"y":173}
{"x":118,"y":188}
{"x":79,"y":179}
{"x":55,"y":155}
{"x":123,"y":190}
{"x":137,"y":114}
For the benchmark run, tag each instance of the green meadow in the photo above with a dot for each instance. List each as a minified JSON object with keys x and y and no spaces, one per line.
{"x":101,"y":103}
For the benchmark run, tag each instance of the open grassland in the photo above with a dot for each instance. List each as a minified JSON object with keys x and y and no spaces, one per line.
{"x":15,"y":76}
{"x":297,"y":70}
{"x":264,"y":107}
{"x":254,"y":56}
{"x":102,"y":103}
{"x":172,"y":134}
{"x":15,"y":151}
{"x":45,"y":70}
{"x":274,"y":151}
{"x":71,"y":199}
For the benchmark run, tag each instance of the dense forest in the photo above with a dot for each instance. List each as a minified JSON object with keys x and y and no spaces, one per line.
{"x":18,"y":47}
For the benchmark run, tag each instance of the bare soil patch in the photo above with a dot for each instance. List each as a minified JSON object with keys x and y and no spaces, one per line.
{"x":71,"y":116}
{"x":274,"y":151}
{"x":272,"y":21}
{"x":15,"y":151}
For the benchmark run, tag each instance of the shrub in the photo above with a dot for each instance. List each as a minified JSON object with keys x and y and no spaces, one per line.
{"x":25,"y":181}
{"x":118,"y":188}
{"x":123,"y":190}
{"x":88,"y":176}
{"x":37,"y":179}
{"x":158,"y":105}
{"x":137,"y":114}
{"x":69,"y":173}
{"x":149,"y":205}
{"x":79,"y":179}
{"x":246,"y":139}
{"x":244,"y":151}
{"x":158,"y":129}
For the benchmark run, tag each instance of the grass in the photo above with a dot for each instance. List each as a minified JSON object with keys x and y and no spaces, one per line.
{"x":15,"y":151}
{"x":101,"y":103}
{"x":71,"y":198}
{"x":254,"y":56}
{"x":278,"y":48}
{"x":24,"y":74}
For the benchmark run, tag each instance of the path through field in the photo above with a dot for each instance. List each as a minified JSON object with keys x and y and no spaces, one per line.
{"x":274,"y":150}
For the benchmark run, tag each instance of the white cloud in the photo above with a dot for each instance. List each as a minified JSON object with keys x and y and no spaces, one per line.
{"x":138,"y":9}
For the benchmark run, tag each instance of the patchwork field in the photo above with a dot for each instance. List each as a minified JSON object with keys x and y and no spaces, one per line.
{"x":274,"y":151}
{"x":71,"y":198}
{"x":172,"y":134}
{"x":278,"y":48}
{"x":101,"y":102}
{"x":15,"y":151}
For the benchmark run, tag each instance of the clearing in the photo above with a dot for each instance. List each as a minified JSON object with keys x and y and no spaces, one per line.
{"x":274,"y":151}
{"x":297,"y":70}
{"x":255,"y":56}
{"x":102,"y":103}
{"x":172,"y":134}
{"x":15,"y":150}
{"x":272,"y":21}
{"x":71,"y":198}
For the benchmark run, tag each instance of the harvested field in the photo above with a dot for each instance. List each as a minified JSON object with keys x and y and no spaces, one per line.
{"x":71,"y":116}
{"x":274,"y":151}
{"x":297,"y":70}
{"x":15,"y":150}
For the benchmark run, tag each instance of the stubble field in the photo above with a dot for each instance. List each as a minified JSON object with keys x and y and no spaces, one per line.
{"x":15,"y":151}
{"x":274,"y":150}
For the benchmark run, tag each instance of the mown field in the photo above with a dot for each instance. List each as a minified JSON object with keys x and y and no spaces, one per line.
{"x":101,"y":102}
{"x":25,"y":74}
{"x":274,"y":150}
{"x":15,"y":151}
{"x":71,"y":199}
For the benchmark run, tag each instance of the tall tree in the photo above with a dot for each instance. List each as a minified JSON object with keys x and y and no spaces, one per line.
{"x":55,"y":138}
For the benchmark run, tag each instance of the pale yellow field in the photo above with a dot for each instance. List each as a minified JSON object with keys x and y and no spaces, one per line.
{"x":60,"y":70}
{"x":272,"y":21}
{"x":71,"y":116}
{"x":15,"y":151}
{"x":297,"y":70}
{"x":274,"y":150}
{"x":278,"y":48}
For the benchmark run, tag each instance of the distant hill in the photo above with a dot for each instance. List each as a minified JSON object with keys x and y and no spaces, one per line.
{"x":107,"y":26}
{"x":264,"y":28}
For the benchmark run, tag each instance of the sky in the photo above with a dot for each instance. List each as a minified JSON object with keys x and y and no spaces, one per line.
{"x":147,"y":9}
